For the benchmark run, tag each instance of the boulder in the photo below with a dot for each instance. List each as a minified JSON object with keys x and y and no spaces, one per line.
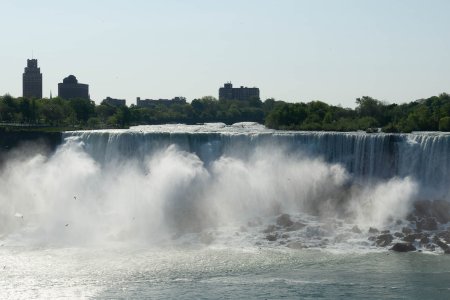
{"x":412,"y":237}
{"x":385,"y":232}
{"x":445,"y":235}
{"x":442,"y":245}
{"x":373,"y":230}
{"x":284,"y":220}
{"x":406,"y":230}
{"x":384,"y":240}
{"x":399,"y":235}
{"x":403,"y":247}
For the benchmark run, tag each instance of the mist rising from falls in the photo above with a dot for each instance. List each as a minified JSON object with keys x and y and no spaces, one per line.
{"x":149,"y":185}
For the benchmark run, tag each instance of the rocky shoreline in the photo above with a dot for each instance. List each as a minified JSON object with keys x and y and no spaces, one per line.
{"x":424,"y":229}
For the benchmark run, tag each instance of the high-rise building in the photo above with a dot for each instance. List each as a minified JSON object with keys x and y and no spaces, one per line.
{"x":32,"y":80}
{"x":228,"y":92}
{"x":71,"y":89}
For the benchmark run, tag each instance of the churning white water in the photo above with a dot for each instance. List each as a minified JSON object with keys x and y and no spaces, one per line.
{"x":215,"y":186}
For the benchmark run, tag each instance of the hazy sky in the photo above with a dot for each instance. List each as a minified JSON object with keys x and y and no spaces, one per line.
{"x":294,"y":50}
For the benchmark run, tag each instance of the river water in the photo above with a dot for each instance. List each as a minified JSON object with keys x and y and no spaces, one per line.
{"x":220,"y":212}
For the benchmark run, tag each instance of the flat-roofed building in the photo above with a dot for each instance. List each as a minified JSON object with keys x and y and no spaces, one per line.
{"x":114,"y":102}
{"x":228,"y":92}
{"x":71,"y":89}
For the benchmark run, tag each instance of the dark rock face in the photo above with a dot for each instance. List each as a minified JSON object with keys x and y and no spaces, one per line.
{"x":384,"y":240}
{"x":428,"y":223}
{"x":284,"y":220}
{"x":445,"y":235}
{"x":403,"y":247}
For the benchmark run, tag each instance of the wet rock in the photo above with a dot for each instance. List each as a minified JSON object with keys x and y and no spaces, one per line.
{"x":411,"y":217}
{"x":373,"y":230}
{"x":428,"y":223}
{"x":284,"y":220}
{"x":355,"y":229}
{"x":372,"y":238}
{"x":445,"y":235}
{"x":285,"y":236}
{"x":406,"y":230}
{"x":270,"y":229}
{"x":282,"y":242}
{"x":424,"y":240}
{"x":442,"y":245}
{"x":384,"y":240}
{"x":271,"y":237}
{"x":385,"y":232}
{"x":403,"y":247}
{"x":296,"y":245}
{"x":412,"y":237}
{"x":399,"y":235}
{"x":296,"y":226}
{"x":398,"y":222}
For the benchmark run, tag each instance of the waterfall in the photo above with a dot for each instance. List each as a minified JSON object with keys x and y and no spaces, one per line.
{"x":425,"y":157}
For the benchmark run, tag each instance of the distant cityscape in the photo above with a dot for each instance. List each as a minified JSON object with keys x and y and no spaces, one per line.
{"x":70,"y":88}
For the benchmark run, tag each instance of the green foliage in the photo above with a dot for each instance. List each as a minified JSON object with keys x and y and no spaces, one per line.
{"x":425,"y":114}
{"x":444,"y":124}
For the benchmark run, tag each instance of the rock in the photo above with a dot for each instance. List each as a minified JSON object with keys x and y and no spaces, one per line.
{"x":424,"y":240}
{"x":398,"y":222}
{"x":403,"y":247}
{"x":372,"y":238}
{"x":373,"y":230}
{"x":406,"y":230}
{"x":285,"y":235}
{"x":445,"y":235}
{"x":385,"y":232}
{"x":296,"y":226}
{"x":441,"y":244}
{"x":296,"y":245}
{"x":412,"y":237}
{"x":356,"y":229}
{"x":270,"y":229}
{"x":271,"y":237}
{"x":399,"y":235}
{"x":284,"y":220}
{"x":384,"y":240}
{"x":428,"y":223}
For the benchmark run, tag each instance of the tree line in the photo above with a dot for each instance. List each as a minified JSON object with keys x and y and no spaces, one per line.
{"x":430,"y":114}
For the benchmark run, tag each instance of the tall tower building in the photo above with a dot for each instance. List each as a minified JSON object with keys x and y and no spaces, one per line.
{"x":32,"y":80}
